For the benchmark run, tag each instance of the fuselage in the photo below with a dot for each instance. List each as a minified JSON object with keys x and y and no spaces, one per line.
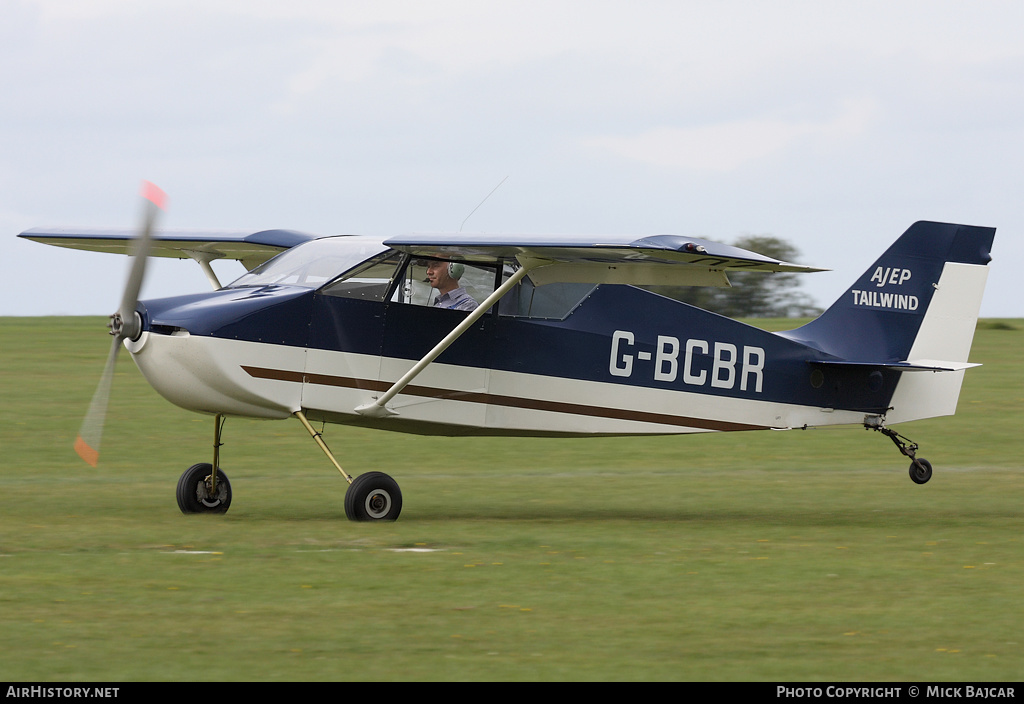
{"x":552,"y":360}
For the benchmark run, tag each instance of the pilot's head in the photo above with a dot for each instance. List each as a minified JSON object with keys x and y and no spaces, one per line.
{"x":444,"y":276}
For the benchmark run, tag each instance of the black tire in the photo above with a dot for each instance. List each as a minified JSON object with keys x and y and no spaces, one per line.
{"x":373,"y":496}
{"x":921,"y":474}
{"x":194,"y":492}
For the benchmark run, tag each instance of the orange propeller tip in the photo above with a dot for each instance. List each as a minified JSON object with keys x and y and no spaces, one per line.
{"x":85,"y":452}
{"x":154,"y":194}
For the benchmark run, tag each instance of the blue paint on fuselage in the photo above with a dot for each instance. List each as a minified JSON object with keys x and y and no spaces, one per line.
{"x":879,"y":316}
{"x":272,"y":314}
{"x":625,"y":335}
{"x":578,"y":347}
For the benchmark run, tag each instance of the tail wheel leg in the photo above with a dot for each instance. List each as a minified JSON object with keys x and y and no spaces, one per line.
{"x":920,"y":468}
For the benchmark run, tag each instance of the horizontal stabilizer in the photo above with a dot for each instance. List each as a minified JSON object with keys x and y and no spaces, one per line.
{"x":918,"y":365}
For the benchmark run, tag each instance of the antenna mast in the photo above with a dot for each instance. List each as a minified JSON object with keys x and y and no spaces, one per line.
{"x":482,"y":202}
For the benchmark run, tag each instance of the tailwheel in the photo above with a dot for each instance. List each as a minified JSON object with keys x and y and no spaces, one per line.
{"x":199,"y":493}
{"x":920,"y":470}
{"x":373,"y":496}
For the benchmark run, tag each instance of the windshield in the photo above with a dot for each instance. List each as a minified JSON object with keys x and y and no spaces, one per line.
{"x":312,"y":264}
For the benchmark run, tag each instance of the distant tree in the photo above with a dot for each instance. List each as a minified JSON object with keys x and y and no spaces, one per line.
{"x":753,"y":294}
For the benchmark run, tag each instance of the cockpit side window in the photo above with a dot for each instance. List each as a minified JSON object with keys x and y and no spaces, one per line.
{"x":371,"y":281}
{"x":551,"y":302}
{"x":415,"y":288}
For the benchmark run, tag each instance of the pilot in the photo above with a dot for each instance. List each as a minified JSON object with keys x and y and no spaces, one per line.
{"x":444,"y":276}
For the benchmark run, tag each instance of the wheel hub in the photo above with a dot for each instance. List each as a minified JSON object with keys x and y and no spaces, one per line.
{"x":208,"y":498}
{"x":378,"y":503}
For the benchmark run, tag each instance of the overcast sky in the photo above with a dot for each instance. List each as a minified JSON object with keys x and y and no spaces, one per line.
{"x":831,"y":125}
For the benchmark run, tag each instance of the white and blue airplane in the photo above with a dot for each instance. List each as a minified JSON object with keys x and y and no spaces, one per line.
{"x":343,"y":329}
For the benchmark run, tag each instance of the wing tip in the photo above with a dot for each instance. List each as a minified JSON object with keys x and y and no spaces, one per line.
{"x":86,"y":452}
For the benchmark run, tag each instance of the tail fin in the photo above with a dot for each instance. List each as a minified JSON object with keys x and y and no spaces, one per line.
{"x":916,"y":308}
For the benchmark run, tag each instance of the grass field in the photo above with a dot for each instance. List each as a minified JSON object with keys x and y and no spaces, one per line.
{"x":795,"y":556}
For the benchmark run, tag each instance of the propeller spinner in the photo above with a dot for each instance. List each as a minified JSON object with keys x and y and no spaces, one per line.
{"x":125,"y":324}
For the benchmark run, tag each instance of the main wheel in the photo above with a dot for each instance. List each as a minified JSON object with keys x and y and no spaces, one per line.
{"x":194,"y":495}
{"x":373,"y":496}
{"x":920,"y":471}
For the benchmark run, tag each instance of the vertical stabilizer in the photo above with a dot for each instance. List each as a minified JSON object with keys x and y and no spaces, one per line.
{"x":917,"y":303}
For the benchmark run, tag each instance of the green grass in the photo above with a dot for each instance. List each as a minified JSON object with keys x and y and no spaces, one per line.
{"x":795,"y":556}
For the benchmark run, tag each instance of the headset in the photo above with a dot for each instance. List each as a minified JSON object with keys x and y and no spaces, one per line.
{"x":456,"y":269}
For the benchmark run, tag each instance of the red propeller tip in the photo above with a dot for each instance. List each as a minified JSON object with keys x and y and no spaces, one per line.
{"x":85,"y":452}
{"x":154,"y":194}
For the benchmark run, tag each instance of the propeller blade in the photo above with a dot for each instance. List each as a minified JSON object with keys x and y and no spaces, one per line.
{"x":87,"y":444}
{"x":123,"y":325}
{"x":156,"y":199}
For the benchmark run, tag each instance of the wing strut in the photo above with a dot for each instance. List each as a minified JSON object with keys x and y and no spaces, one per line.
{"x":377,"y":409}
{"x":203,"y":259}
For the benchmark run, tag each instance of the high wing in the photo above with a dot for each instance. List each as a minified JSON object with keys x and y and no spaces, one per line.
{"x":248,"y":247}
{"x":251,"y":248}
{"x":655,"y":260}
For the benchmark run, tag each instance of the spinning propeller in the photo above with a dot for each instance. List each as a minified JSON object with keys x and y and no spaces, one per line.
{"x":125,"y":324}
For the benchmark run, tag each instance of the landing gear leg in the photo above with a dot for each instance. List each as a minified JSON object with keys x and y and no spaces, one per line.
{"x":204,"y":488}
{"x":373,"y":496}
{"x":920,"y":468}
{"x":320,"y":441}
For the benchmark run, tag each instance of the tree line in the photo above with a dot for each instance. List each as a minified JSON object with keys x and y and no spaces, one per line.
{"x":752,"y":294}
